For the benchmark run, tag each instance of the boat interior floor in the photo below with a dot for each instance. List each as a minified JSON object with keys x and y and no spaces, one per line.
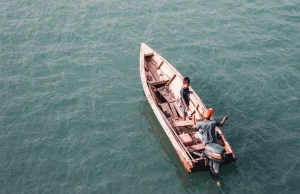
{"x":183,"y":129}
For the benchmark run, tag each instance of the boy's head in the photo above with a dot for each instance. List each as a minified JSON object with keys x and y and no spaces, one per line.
{"x":186,"y":81}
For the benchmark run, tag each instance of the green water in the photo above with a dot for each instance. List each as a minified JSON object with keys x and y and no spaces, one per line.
{"x":74,"y":118}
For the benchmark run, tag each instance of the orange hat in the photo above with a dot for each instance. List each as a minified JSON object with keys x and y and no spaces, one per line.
{"x":208,"y":113}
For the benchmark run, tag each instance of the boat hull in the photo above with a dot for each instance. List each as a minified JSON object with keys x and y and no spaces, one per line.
{"x":168,"y":76}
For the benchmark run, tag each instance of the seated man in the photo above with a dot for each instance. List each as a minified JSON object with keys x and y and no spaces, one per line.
{"x":206,"y":129}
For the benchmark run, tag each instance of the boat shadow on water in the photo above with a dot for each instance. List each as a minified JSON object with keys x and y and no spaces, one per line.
{"x":192,"y":181}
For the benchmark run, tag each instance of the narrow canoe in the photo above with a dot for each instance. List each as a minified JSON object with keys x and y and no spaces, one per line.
{"x":162,"y":84}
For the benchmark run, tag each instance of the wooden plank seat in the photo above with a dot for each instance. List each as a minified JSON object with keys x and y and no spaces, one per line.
{"x":155,"y":83}
{"x":183,"y":123}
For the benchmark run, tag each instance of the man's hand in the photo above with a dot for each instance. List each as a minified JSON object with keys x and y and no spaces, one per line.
{"x":223,"y":121}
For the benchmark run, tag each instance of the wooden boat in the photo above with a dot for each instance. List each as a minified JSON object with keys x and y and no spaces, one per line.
{"x":162,"y":84}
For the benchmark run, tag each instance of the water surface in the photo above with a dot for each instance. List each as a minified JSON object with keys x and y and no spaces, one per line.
{"x":74,"y":118}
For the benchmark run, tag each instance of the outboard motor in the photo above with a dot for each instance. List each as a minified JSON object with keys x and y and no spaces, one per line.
{"x":215,"y":154}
